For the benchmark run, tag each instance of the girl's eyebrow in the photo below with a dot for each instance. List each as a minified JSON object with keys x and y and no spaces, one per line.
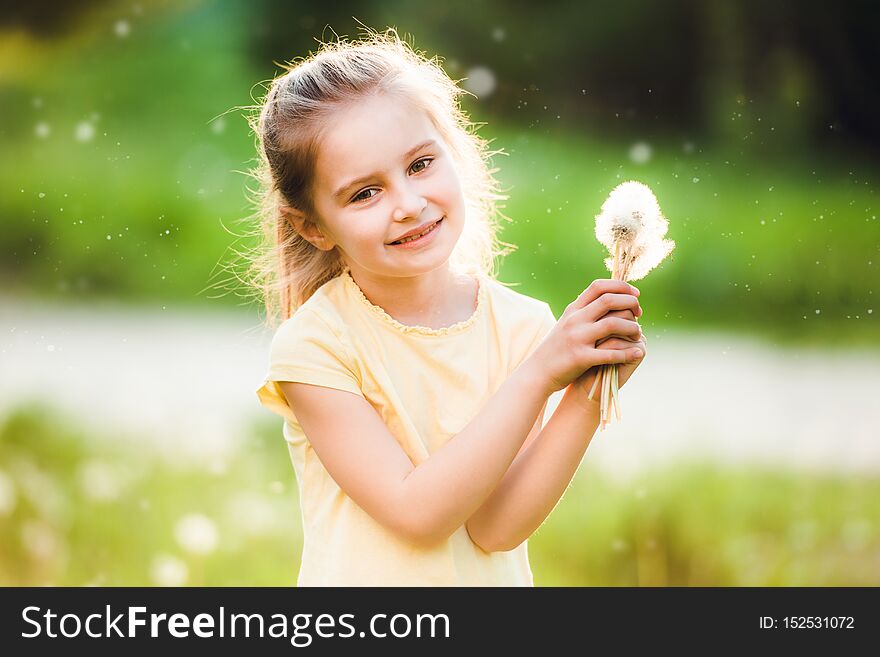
{"x":339,"y":193}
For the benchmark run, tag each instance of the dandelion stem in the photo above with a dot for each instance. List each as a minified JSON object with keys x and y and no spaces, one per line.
{"x":608,"y":373}
{"x":614,"y":391}
{"x":596,"y":382}
{"x":615,"y":261}
{"x":606,"y":394}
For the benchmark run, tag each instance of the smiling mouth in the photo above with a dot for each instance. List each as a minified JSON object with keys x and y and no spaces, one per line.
{"x":420,"y":235}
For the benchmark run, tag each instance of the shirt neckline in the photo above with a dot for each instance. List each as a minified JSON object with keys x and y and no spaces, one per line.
{"x":380,"y":313}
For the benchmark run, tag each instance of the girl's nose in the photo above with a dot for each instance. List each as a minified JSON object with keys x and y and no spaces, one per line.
{"x":410,"y":204}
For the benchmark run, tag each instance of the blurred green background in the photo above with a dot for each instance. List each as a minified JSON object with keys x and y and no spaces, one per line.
{"x":123,"y":148}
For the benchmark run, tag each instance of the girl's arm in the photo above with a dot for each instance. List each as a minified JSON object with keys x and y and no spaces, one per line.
{"x":429,"y":502}
{"x":538,"y":477}
{"x":542,"y":471}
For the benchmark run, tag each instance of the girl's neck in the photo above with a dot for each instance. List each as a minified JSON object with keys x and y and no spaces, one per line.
{"x":435,"y":299}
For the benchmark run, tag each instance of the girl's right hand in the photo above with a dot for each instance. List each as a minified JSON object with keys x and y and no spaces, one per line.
{"x":570,"y":348}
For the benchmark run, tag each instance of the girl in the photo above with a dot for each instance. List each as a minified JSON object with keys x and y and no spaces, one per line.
{"x":412,"y":383}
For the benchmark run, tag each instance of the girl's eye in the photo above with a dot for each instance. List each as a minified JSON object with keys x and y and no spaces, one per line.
{"x":360,"y":195}
{"x":425,"y":160}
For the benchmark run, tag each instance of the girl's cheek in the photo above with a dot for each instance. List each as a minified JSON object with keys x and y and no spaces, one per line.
{"x":450,"y":190}
{"x":459,"y":190}
{"x":370,"y":236}
{"x":374,"y":235}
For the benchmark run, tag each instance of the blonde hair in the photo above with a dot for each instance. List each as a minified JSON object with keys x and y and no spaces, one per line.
{"x":285,"y":269}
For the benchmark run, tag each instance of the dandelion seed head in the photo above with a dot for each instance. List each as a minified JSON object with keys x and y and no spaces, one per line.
{"x":121,"y":28}
{"x":168,"y":570}
{"x":626,"y":211}
{"x":100,"y":481}
{"x":39,"y":539}
{"x":631,"y":218}
{"x":653,"y":252}
{"x":640,"y":152}
{"x":196,"y":533}
{"x":85,"y":131}
{"x":480,"y":81}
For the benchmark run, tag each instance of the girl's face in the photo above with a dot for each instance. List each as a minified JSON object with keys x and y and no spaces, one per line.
{"x":382,"y":171}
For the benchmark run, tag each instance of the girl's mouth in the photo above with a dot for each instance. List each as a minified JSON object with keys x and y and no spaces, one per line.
{"x":422,"y":238}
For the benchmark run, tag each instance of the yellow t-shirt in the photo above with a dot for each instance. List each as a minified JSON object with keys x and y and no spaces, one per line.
{"x":427,"y":385}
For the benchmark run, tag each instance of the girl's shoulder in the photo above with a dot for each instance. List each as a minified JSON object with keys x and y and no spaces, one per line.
{"x":521,"y":321}
{"x":510,"y":304}
{"x":321,"y":311}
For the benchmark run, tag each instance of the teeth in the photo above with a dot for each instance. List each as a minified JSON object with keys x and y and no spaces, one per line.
{"x":415,"y":237}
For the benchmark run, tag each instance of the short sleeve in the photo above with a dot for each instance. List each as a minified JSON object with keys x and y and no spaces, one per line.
{"x":305,"y":349}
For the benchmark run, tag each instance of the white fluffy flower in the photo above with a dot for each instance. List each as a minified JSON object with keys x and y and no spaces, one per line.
{"x":649,"y":253}
{"x":196,"y":533}
{"x":632,"y":221}
{"x":100,"y":481}
{"x":40,"y":540}
{"x":168,"y":570}
{"x":629,"y":208}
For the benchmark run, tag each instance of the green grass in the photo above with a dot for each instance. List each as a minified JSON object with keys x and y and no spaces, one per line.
{"x":690,"y":525}
{"x":697,"y":525}
{"x":59,"y":533}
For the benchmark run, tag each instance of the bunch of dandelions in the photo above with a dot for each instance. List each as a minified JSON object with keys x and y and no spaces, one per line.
{"x":631,"y":227}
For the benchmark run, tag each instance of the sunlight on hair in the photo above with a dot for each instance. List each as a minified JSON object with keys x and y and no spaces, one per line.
{"x":283,"y":269}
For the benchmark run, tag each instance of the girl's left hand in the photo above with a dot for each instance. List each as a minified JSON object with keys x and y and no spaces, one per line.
{"x":625,"y":370}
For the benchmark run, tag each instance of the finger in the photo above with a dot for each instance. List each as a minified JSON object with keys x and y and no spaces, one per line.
{"x":607,"y":303}
{"x":599,"y":287}
{"x":625,"y":314}
{"x":622,"y":343}
{"x":609,"y":356}
{"x":606,"y":341}
{"x":615,"y":326}
{"x":618,"y":343}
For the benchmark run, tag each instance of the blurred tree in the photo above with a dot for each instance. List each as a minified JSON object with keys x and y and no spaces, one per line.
{"x":281,"y":31}
{"x":45,"y":18}
{"x":729,"y":71}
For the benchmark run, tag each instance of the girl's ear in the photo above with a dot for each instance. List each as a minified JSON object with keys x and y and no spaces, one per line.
{"x":307,"y":228}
